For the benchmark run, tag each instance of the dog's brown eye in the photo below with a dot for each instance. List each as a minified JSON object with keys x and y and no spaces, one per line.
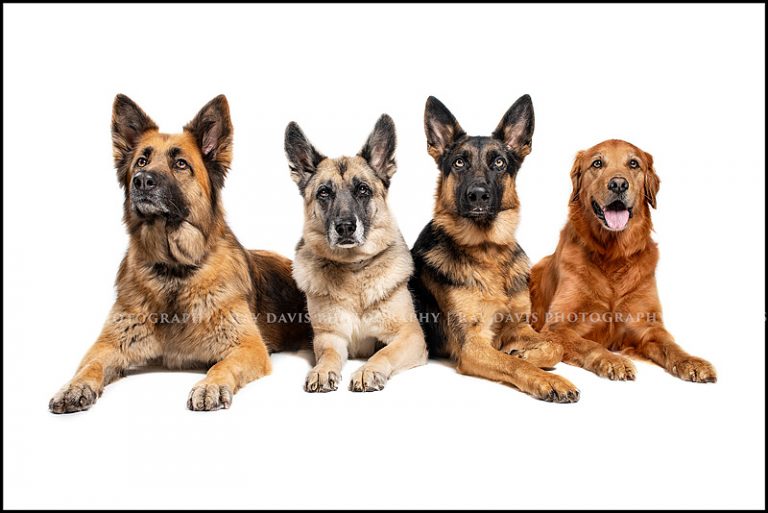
{"x":181,"y":164}
{"x":459,"y":162}
{"x":633,"y":164}
{"x":597,"y":164}
{"x":364,"y":190}
{"x":323,"y":193}
{"x":141,"y":162}
{"x":499,"y":162}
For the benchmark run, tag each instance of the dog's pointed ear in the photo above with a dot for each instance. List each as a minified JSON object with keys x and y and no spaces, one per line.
{"x":515,"y":129}
{"x":303,"y":158}
{"x":379,"y":149}
{"x":213,"y":132}
{"x":576,"y":172}
{"x":129,"y":122}
{"x":441,"y":128}
{"x":652,"y":181}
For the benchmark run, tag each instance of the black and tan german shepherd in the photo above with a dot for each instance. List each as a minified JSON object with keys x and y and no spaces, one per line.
{"x":471,"y":277}
{"x":188,"y":294}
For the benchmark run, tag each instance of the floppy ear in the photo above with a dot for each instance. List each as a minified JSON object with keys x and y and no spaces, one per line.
{"x":515,"y":129}
{"x":129,"y":122}
{"x":379,"y":149}
{"x":212,"y":130}
{"x":441,"y":128}
{"x":652,"y":181}
{"x":303,"y":158}
{"x":576,"y":172}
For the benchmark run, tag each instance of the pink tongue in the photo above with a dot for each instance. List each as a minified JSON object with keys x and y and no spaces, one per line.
{"x":616,"y":219}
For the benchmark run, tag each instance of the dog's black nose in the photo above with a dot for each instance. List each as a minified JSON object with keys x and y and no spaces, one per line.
{"x":144,"y":181}
{"x":478,"y":196}
{"x":618,"y":185}
{"x":346,"y":227}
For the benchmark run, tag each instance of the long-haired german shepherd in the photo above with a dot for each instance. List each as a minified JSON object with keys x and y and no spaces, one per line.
{"x":471,"y":279}
{"x":188,"y":294}
{"x":353,"y":263}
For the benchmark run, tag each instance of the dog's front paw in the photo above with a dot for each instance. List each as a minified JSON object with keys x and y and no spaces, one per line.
{"x":367,"y":380}
{"x":614,"y":367}
{"x":319,"y":380}
{"x":77,"y":396}
{"x":542,"y":354}
{"x":554,"y":389}
{"x":209,"y":397}
{"x":694,"y":369}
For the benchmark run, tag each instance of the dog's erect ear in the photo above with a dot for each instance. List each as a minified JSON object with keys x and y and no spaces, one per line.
{"x":212,"y":130}
{"x":515,"y":129}
{"x":652,"y":181}
{"x":129,"y":122}
{"x":441,"y":128}
{"x":303,"y":158}
{"x":576,"y":172}
{"x":379,"y":149}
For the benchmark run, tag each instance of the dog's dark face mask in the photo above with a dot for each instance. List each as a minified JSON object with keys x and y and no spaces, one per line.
{"x":154,"y":190}
{"x":478,"y":171}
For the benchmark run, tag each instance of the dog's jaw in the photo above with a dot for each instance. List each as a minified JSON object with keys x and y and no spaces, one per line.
{"x":147,"y":208}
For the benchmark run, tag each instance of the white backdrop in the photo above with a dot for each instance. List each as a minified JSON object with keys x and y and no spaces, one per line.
{"x":685,"y":83}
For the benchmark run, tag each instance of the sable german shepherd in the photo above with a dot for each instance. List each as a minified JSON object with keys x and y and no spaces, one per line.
{"x":471,"y":279}
{"x":597,"y":292}
{"x":188,"y":294}
{"x":353,"y":263}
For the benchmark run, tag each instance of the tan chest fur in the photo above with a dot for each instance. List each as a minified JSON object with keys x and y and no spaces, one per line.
{"x":183,"y":320}
{"x":489,"y":295}
{"x":363,"y":301}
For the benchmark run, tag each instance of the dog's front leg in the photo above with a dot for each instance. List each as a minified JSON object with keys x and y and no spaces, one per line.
{"x":125,"y":340}
{"x":330,"y":355}
{"x":588,"y":354}
{"x":478,"y":357}
{"x":657,"y":344}
{"x":405,"y":350}
{"x":246,"y":361}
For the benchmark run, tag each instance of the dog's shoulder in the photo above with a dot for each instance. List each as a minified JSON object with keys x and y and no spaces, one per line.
{"x":439,"y":256}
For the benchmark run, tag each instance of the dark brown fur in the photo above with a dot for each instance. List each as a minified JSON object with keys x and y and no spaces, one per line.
{"x":471,"y":279}
{"x":610,"y":274}
{"x":188,"y":294}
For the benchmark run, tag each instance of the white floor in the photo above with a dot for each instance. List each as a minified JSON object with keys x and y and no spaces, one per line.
{"x":431,"y":439}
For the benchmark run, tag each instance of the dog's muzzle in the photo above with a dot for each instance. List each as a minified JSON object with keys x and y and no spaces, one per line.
{"x":346,"y":232}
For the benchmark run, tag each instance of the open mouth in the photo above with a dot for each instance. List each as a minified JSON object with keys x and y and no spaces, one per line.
{"x":614,"y":216}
